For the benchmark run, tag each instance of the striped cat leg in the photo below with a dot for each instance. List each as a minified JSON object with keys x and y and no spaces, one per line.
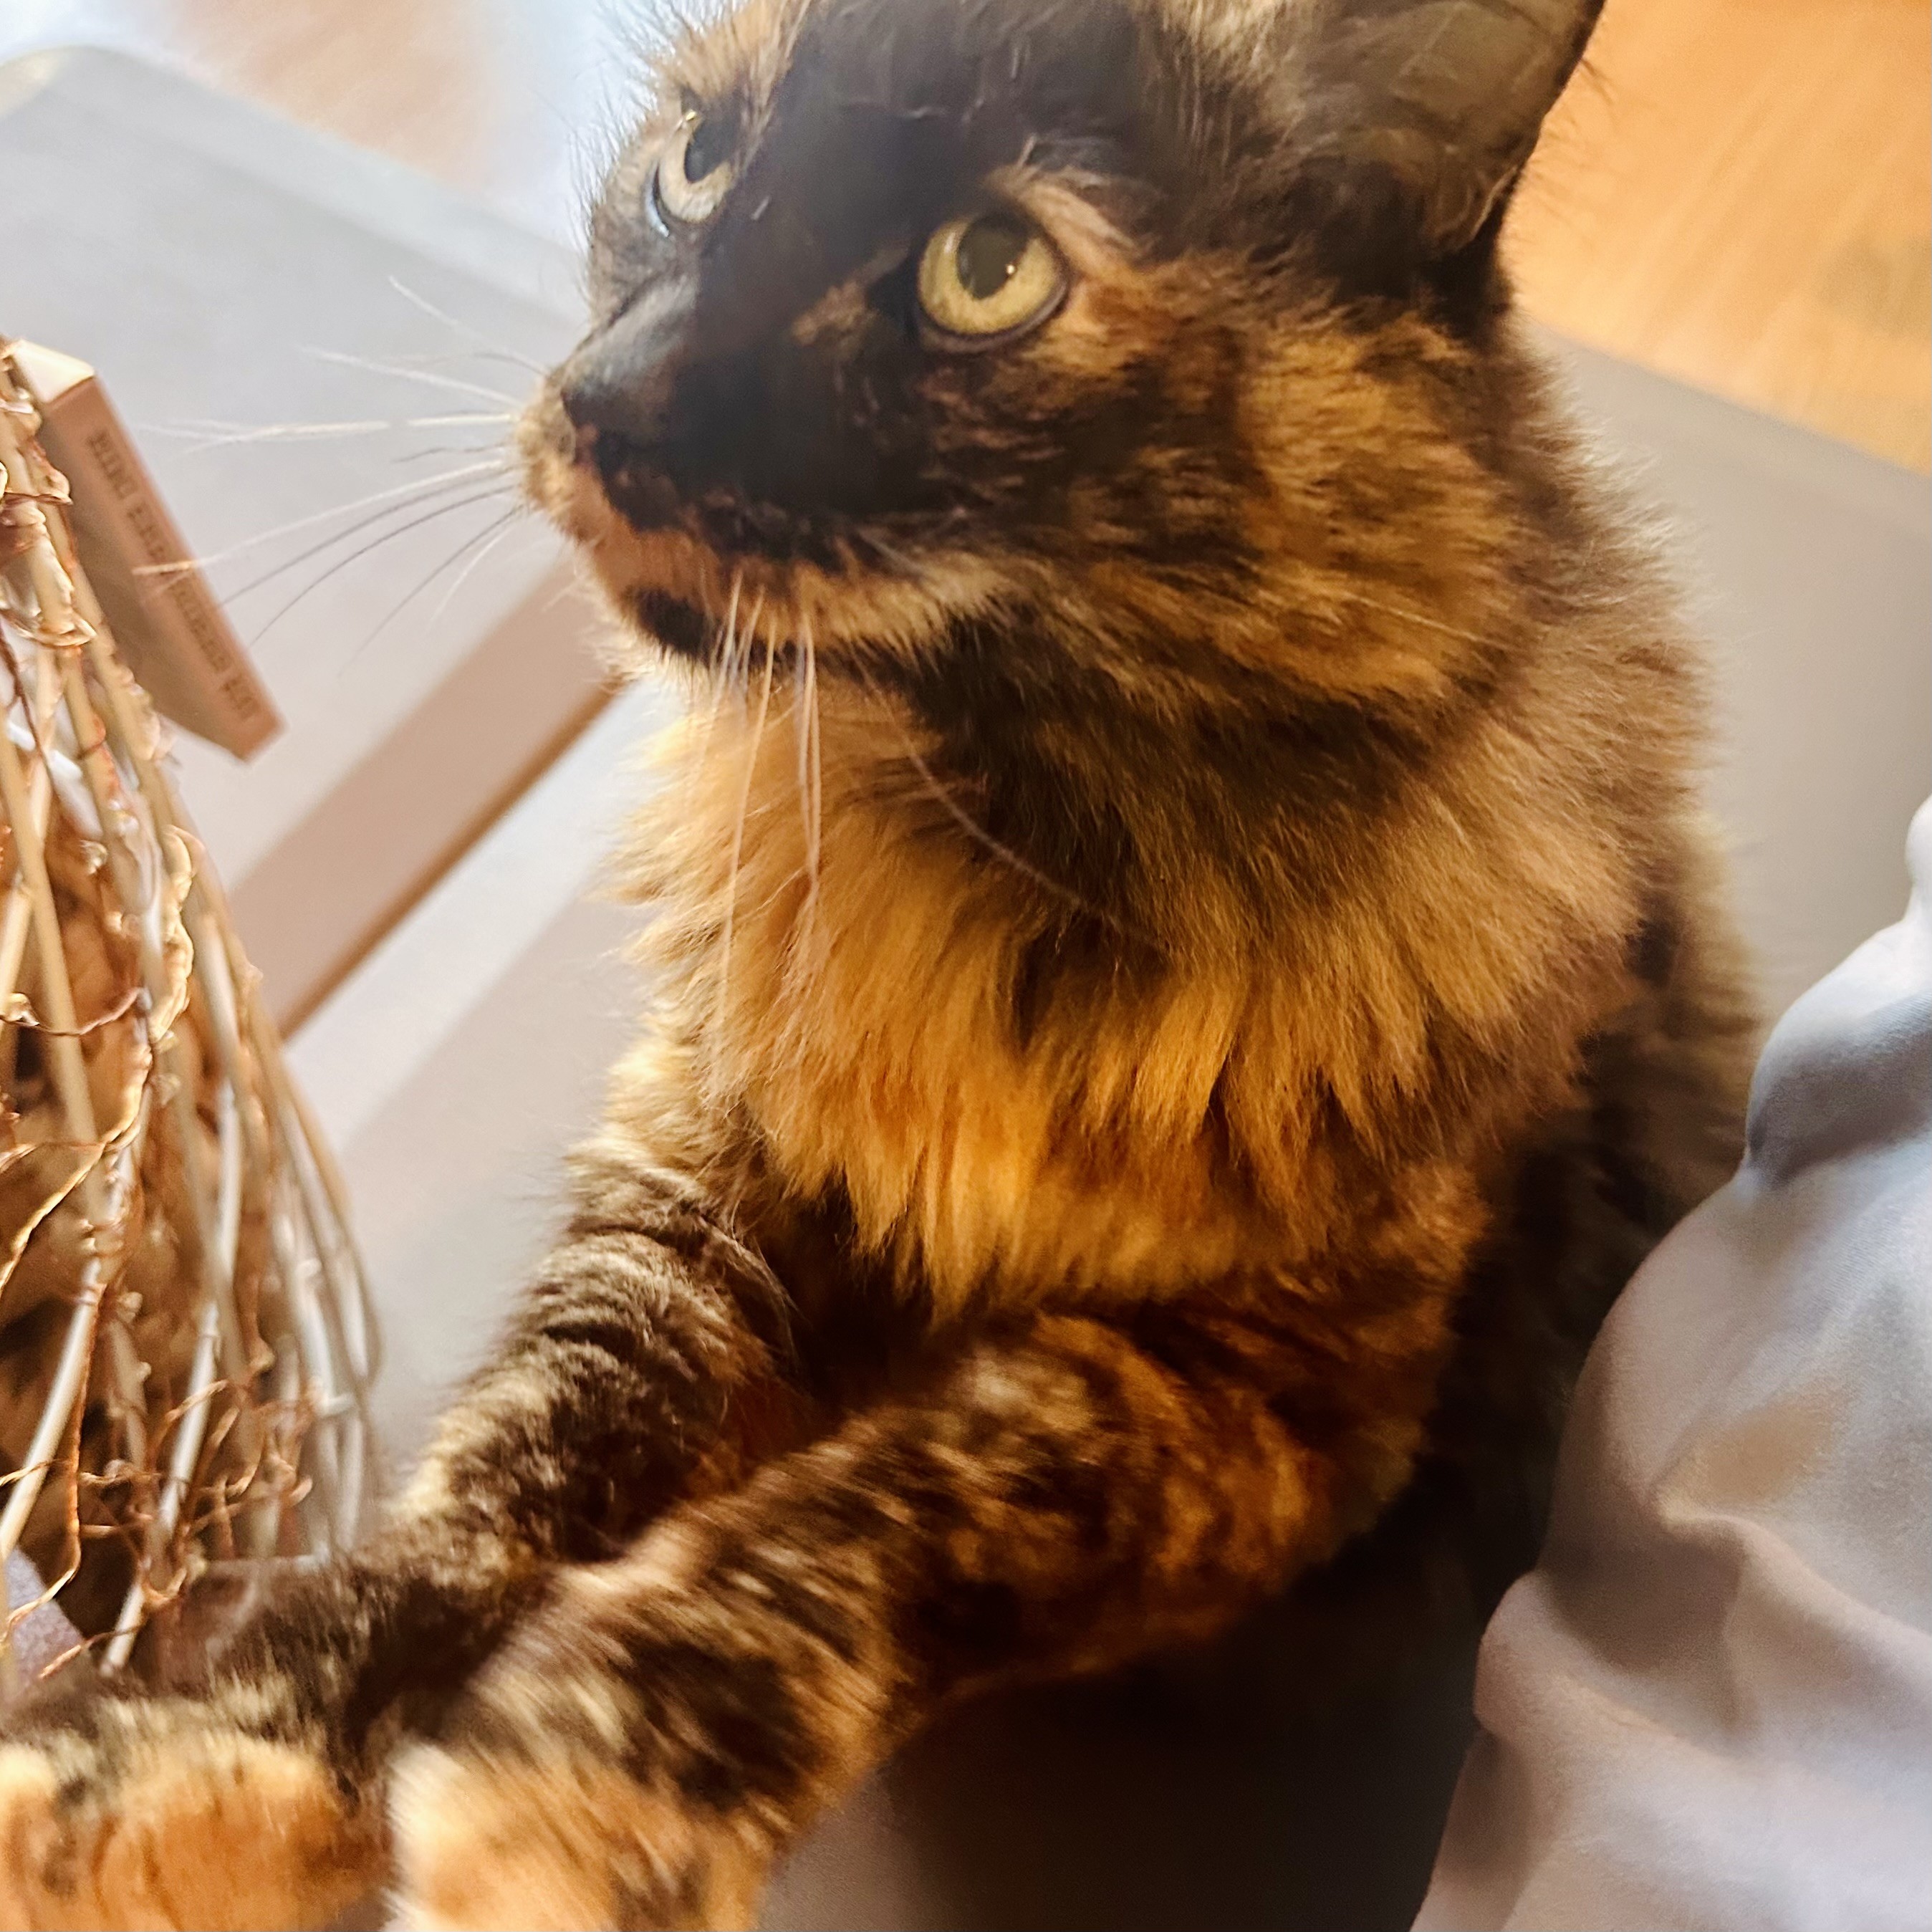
{"x":639,"y":1368}
{"x":659,"y":1730}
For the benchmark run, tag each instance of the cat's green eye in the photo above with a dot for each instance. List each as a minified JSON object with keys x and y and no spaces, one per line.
{"x":695,"y":169}
{"x":986,"y":277}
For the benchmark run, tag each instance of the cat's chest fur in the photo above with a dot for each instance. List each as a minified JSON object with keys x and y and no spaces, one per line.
{"x":852,"y":995}
{"x":844,"y":981}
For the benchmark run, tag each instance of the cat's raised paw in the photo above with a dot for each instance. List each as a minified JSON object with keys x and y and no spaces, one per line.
{"x":140,"y":1817}
{"x":553,"y":1842}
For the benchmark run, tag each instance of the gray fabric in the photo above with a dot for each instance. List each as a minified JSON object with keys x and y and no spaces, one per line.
{"x":1710,"y":1704}
{"x":42,"y":1635}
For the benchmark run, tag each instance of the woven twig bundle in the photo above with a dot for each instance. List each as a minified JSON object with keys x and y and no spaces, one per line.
{"x":184,"y":1338}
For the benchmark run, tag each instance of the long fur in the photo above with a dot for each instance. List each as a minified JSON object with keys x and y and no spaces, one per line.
{"x":1185,"y":972}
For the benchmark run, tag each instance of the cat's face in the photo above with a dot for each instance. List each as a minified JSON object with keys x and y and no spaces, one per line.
{"x":1139,"y":340}
{"x":888,"y":293}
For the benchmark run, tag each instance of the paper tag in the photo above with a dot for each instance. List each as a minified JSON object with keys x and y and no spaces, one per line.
{"x":166,"y":623}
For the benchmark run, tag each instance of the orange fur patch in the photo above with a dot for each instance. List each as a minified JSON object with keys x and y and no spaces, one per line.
{"x":201,"y":1830}
{"x":556,"y":1846}
{"x":862,"y":1026}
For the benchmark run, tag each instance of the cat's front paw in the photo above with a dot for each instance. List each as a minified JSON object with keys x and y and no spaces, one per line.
{"x":162,"y":1812}
{"x":551,"y":1839}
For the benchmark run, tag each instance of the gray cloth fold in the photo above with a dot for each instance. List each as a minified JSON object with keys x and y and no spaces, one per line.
{"x":1710,"y":1705}
{"x":42,"y":1636}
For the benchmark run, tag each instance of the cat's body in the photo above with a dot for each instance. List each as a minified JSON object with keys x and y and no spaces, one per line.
{"x":1185,"y":973}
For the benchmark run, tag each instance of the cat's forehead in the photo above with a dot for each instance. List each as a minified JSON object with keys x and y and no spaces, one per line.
{"x":929,"y":57}
{"x":738,"y":55}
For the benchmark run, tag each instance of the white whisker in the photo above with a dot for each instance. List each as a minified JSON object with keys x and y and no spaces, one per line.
{"x":430,"y":449}
{"x":506,"y":525}
{"x":218,"y":435}
{"x":738,"y":834}
{"x":491,"y":348}
{"x":488,"y":536}
{"x":403,"y":373}
{"x":810,"y":775}
{"x":982,"y":837}
{"x":374,"y":543}
{"x":421,"y":489}
{"x":747,"y":636}
{"x":721,"y":676}
{"x":361,"y":524}
{"x":1409,"y":617}
{"x":573,"y":585}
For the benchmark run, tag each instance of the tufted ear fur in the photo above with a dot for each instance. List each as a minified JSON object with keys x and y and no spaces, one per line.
{"x":1445,"y":97}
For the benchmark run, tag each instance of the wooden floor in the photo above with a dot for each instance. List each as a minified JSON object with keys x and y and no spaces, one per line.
{"x":1738,"y":192}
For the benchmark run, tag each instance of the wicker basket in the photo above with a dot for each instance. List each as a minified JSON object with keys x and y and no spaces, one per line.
{"x":185,"y":1342}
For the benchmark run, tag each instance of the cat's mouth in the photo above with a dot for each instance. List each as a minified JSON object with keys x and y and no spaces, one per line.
{"x":705,"y":600}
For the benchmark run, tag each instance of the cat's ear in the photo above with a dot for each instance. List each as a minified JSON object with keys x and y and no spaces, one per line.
{"x":1447,"y":96}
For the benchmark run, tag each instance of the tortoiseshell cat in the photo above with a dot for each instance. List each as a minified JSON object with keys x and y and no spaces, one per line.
{"x":1185,"y":977}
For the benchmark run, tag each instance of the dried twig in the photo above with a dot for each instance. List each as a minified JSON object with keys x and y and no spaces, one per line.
{"x":185,"y":1342}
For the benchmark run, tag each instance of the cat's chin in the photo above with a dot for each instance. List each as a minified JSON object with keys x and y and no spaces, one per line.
{"x":679,"y":625}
